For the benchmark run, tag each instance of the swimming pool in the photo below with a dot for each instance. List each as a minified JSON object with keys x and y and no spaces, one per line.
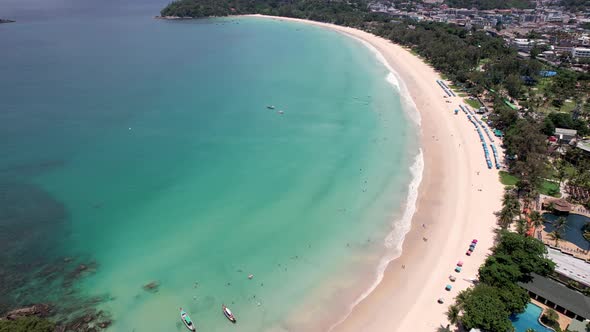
{"x":529,"y":320}
{"x":573,"y":230}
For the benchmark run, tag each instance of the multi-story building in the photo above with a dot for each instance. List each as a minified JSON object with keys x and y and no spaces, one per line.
{"x":523,"y":44}
{"x":580,"y":52}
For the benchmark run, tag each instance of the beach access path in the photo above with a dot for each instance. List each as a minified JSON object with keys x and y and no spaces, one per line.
{"x":457,"y":199}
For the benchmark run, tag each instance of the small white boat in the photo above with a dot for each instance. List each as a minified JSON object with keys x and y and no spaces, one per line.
{"x":228,"y":313}
{"x":270,"y":107}
{"x":187,"y":320}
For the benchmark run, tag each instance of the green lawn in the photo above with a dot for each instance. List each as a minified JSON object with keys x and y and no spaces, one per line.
{"x":568,"y":107}
{"x":455,"y":88}
{"x":543,"y":84}
{"x":546,"y":188}
{"x":550,"y":188}
{"x":508,"y":179}
{"x":474,"y":103}
{"x":553,"y":173}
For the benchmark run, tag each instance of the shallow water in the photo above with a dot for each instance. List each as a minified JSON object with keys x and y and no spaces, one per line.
{"x":144,"y":149}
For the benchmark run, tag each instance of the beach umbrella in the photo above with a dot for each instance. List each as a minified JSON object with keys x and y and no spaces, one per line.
{"x":441,"y":300}
{"x":452,"y":278}
{"x":460,"y":263}
{"x":468,"y":253}
{"x":449,"y":287}
{"x":458,"y":269}
{"x":474,"y":241}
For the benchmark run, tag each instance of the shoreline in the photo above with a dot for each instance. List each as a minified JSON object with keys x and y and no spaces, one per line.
{"x":452,"y":206}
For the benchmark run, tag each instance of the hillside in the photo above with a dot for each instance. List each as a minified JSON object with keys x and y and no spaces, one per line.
{"x":340,"y":12}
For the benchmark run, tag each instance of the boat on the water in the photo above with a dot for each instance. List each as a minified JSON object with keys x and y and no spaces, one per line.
{"x":228,"y":313}
{"x":270,"y":107}
{"x":187,"y":320}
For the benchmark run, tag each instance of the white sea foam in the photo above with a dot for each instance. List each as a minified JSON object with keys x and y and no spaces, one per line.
{"x":394,"y":79}
{"x":394,"y":240}
{"x":400,"y":227}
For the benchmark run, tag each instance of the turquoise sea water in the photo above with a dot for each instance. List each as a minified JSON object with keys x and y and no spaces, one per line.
{"x":144,"y":150}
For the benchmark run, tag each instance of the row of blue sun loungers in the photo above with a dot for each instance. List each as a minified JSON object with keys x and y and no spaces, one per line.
{"x":485,"y":128}
{"x":496,"y":158}
{"x":471,"y":117}
{"x":445,"y":88}
{"x":467,"y":111}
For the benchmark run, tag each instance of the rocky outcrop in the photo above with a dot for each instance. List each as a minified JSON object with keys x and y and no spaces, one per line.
{"x":38,"y":310}
{"x":151,"y":286}
{"x":90,"y":321}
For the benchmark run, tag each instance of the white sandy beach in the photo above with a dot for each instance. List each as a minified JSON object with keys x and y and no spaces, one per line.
{"x":457,"y":198}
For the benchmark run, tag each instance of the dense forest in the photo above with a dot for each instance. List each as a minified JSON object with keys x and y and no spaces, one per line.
{"x":27,"y":324}
{"x":491,"y":4}
{"x":340,"y":12}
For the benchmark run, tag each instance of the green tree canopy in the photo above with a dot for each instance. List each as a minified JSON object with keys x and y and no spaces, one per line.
{"x":563,"y":120}
{"x":485,"y":309}
{"x":488,"y":305}
{"x":525,"y":140}
{"x":527,"y":253}
{"x":27,"y":324}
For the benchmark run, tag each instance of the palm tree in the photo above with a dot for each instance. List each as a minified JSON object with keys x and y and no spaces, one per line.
{"x":560,"y":224}
{"x":453,"y":314}
{"x":443,"y":329}
{"x":556,"y":236}
{"x":521,"y":226}
{"x":550,"y":207}
{"x":505,"y":218}
{"x":537,"y":219}
{"x":510,"y":201}
{"x":531,"y":195}
{"x":510,"y":209}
